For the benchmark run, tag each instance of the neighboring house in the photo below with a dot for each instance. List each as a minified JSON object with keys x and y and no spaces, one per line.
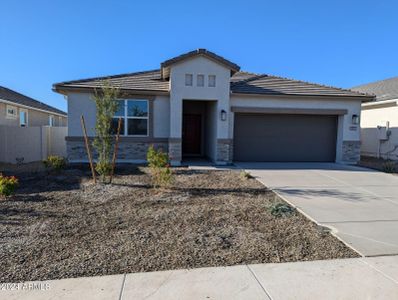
{"x":20,"y":110}
{"x":379,"y":122}
{"x":201,"y":105}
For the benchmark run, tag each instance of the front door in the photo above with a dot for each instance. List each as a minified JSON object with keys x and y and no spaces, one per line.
{"x":191,"y":134}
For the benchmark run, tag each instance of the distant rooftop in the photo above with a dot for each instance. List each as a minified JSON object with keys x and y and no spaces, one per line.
{"x":17,"y":98}
{"x":386,"y":89}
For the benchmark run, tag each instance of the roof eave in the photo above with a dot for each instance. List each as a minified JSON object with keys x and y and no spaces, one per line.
{"x":363,"y":98}
{"x":65,"y":89}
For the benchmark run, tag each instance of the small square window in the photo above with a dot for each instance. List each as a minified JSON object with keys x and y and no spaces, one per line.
{"x":212,"y":80}
{"x":11,"y":112}
{"x":200,"y":80}
{"x":188,"y":79}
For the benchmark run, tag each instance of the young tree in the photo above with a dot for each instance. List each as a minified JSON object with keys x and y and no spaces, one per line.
{"x":105,"y":101}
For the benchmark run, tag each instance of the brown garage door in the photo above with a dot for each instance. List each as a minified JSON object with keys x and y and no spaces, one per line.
{"x":284,"y":138}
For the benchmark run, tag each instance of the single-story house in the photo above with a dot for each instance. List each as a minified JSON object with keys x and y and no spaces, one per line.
{"x":20,"y":110}
{"x":379,"y":121}
{"x":200,"y":104}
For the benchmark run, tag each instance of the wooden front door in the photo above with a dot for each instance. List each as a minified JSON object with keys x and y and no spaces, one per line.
{"x":191,"y":134}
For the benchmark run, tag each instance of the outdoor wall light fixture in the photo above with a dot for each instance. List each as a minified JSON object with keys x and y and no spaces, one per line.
{"x":355,"y":119}
{"x":223,"y":115}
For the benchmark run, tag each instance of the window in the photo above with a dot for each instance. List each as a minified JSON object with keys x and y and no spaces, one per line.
{"x":200,"y":80}
{"x":11,"y":112}
{"x":23,"y":118}
{"x":135,"y":115}
{"x":212,"y":80}
{"x":188,"y":79}
{"x":51,"y":122}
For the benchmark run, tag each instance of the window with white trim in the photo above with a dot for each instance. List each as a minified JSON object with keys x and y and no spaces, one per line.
{"x":188,"y":79}
{"x":51,"y":121}
{"x":212,"y":81}
{"x":11,"y":112}
{"x":135,"y":117}
{"x":23,"y":118}
{"x":200,"y":80}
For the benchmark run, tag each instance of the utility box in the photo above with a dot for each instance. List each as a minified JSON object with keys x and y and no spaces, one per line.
{"x":383,"y":132}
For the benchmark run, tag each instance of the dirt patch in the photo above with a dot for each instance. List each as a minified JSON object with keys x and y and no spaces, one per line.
{"x":60,"y":226}
{"x":15,"y":169}
{"x":377,"y":163}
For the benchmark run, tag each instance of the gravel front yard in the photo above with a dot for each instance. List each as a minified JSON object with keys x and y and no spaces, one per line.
{"x":60,"y":226}
{"x":377,"y":163}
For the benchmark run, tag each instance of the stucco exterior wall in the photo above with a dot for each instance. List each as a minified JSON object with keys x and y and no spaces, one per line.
{"x":370,"y":120}
{"x":35,"y":117}
{"x":180,"y":92}
{"x":4,"y":120}
{"x":161,"y":117}
{"x":82,"y":104}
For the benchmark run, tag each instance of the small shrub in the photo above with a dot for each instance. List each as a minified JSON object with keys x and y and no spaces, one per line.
{"x":104,"y":168}
{"x":158,"y":162}
{"x":54,"y":162}
{"x":245,"y":175}
{"x":8,"y":185}
{"x":280,"y":209}
{"x":389,"y":166}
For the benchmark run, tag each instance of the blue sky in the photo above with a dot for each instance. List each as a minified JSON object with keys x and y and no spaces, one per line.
{"x":340,"y":43}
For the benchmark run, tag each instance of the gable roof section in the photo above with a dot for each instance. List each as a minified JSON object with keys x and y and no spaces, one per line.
{"x":199,"y":52}
{"x":17,"y":98}
{"x":384,"y":89}
{"x":263,"y":84}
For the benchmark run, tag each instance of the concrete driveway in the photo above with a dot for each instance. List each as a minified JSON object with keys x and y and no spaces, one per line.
{"x":360,"y":205}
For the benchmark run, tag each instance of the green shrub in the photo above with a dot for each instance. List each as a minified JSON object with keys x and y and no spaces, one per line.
{"x":106,"y":104}
{"x":245,"y":175}
{"x":8,"y":185}
{"x":104,"y":168}
{"x":280,"y":209}
{"x":389,"y":166}
{"x":159,"y":165}
{"x":54,"y":162}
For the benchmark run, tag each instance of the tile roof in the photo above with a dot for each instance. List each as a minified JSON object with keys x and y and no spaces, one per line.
{"x":263,"y":84}
{"x":139,"y":81}
{"x":202,"y":52}
{"x":384,"y":89}
{"x":17,"y":98}
{"x":241,"y":82}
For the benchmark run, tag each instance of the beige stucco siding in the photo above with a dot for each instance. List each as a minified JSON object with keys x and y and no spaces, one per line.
{"x":161,"y":117}
{"x":370,"y":120}
{"x":35,"y":117}
{"x":82,"y":104}
{"x":179,"y":91}
{"x":4,"y":120}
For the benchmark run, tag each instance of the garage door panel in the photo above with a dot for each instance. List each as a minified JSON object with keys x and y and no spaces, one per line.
{"x":268,"y":137}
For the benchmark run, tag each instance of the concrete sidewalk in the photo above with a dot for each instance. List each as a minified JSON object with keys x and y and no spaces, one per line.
{"x":358,"y":278}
